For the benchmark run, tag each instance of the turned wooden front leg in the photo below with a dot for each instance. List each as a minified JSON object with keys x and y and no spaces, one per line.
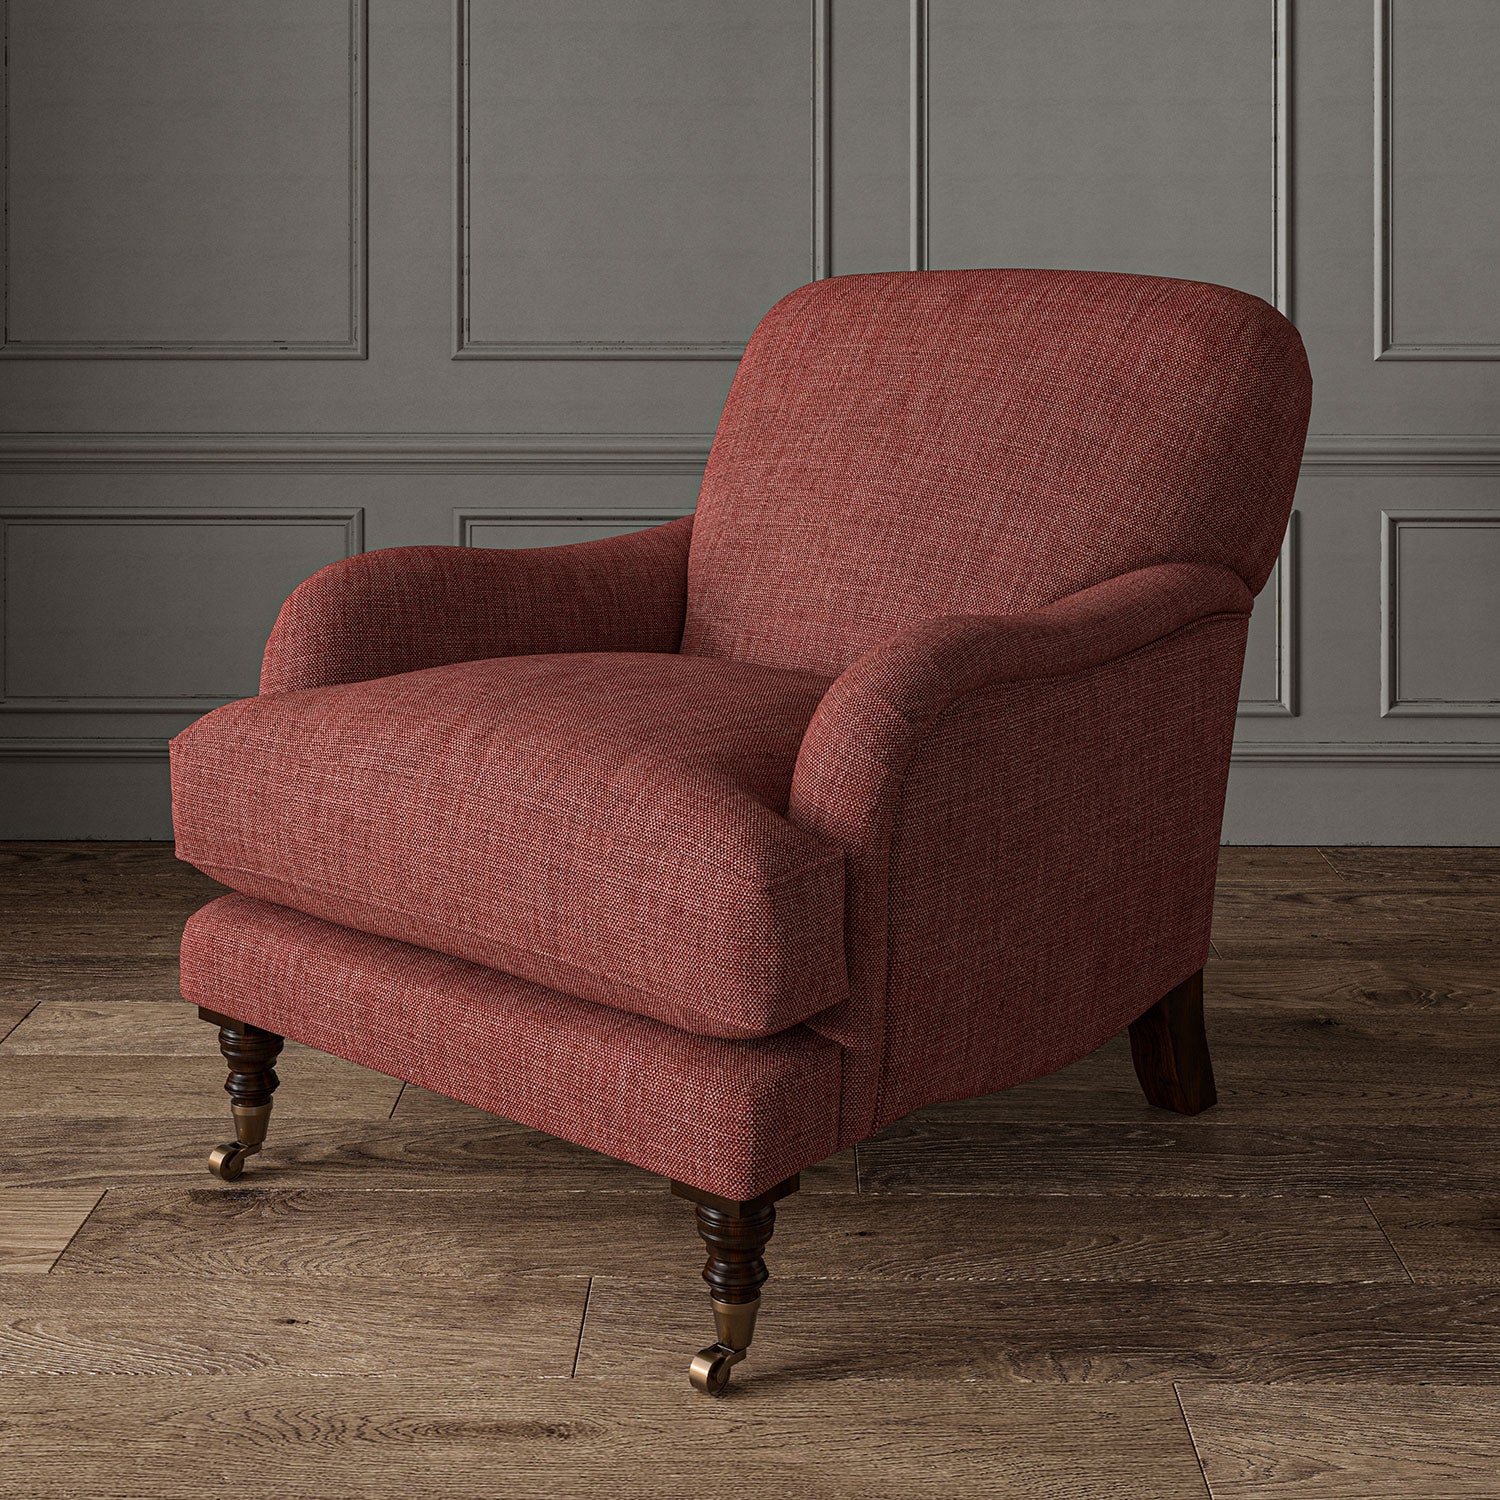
{"x":251,"y":1054}
{"x":1170,"y":1050}
{"x":734,"y":1232}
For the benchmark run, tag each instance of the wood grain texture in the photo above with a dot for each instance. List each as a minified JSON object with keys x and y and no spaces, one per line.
{"x":384,"y":1437}
{"x":37,"y":1223}
{"x":120,"y":1028}
{"x":112,"y":873}
{"x":1179,"y":1158}
{"x":1318,"y":1062}
{"x":83,"y":933}
{"x":150,"y":1325}
{"x":345,"y":1233}
{"x":1405,"y":991}
{"x":1444,"y":1240}
{"x":1258,"y":1085}
{"x":1359,"y":1442}
{"x":1357,"y":922}
{"x":43,"y":976}
{"x":1466,"y":869}
{"x":1083,"y":1332}
{"x":475,"y":1153}
{"x":157,"y":1088}
{"x":95,"y":921}
{"x":12,"y":1013}
{"x":1265,"y":867}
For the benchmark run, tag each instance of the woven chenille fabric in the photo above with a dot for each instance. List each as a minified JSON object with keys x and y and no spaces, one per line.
{"x":733,"y":1117}
{"x":608,"y":824}
{"x":947,"y":442}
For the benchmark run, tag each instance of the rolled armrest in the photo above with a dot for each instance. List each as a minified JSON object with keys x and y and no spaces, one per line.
{"x":937,"y":661}
{"x":878,"y":708}
{"x":405,"y":608}
{"x":1030,"y":809}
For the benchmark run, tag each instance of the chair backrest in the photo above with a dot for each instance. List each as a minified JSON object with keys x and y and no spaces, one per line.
{"x":917,"y":443}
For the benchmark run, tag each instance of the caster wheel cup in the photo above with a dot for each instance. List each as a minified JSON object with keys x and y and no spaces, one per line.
{"x":226,"y":1162}
{"x":709,"y":1371}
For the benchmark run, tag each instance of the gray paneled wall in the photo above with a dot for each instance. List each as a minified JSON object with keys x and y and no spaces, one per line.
{"x":288,"y":278}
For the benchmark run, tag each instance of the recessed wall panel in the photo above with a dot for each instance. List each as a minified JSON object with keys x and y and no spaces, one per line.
{"x":133,"y":611}
{"x":1268,"y":684}
{"x":637,"y":177}
{"x":1438,"y":100}
{"x":184,"y":178}
{"x":1090,"y":135}
{"x":1442,"y":613}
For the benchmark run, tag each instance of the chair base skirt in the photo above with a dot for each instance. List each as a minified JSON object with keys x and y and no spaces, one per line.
{"x":730,"y":1118}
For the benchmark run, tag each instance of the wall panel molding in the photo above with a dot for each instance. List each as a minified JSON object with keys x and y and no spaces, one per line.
{"x":1281,"y":158}
{"x":356,"y":452}
{"x":603,"y":452}
{"x":351,"y":520}
{"x":465,"y":346}
{"x":351,"y":347}
{"x":1386,"y":347}
{"x":1366,"y":752}
{"x":1341,"y":454}
{"x":82,"y":748}
{"x":920,"y":135}
{"x":1284,"y":704}
{"x":920,"y":164}
{"x":1392,"y":701}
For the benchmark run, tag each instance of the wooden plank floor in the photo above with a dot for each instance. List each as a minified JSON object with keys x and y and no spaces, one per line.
{"x":1055,"y":1292}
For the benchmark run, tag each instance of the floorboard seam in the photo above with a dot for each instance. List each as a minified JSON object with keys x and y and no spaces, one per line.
{"x":1389,"y":1241}
{"x":1208,"y":1489}
{"x":24,"y":1016}
{"x":103,"y":1193}
{"x":582,"y":1323}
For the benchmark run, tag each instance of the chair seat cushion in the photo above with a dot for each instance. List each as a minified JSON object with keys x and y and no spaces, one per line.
{"x":611,"y":825}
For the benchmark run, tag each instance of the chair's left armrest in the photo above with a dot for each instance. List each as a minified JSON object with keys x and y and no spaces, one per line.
{"x":405,"y":608}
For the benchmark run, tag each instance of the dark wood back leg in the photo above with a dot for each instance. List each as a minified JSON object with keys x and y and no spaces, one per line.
{"x":1170,"y":1050}
{"x":251,"y":1054}
{"x":735,"y":1232}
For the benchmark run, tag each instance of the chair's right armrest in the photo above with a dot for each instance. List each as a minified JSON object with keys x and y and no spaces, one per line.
{"x":404,"y":608}
{"x":879,"y":710}
{"x":1030,"y":809}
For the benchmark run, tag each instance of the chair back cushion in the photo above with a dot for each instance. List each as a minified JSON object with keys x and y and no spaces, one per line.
{"x":921,"y":443}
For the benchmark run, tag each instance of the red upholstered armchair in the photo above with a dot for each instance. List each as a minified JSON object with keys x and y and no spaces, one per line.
{"x":895,"y":775}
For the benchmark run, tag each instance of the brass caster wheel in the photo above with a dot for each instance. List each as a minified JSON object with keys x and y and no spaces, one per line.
{"x":226,"y":1162}
{"x":709,"y":1371}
